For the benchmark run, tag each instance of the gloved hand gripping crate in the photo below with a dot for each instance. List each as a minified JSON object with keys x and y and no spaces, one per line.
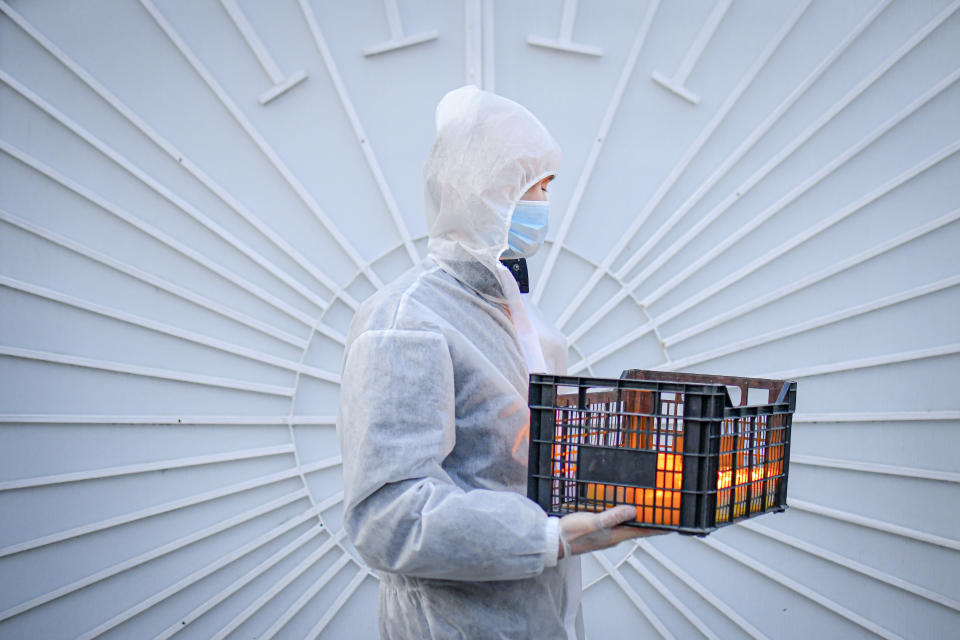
{"x":679,"y":447}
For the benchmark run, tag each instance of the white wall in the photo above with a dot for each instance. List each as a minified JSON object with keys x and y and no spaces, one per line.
{"x":179,"y":263}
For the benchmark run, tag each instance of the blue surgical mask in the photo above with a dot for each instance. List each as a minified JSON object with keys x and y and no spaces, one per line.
{"x":528,"y":229}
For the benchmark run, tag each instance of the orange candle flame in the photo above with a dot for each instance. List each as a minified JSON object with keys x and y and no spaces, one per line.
{"x":662,"y":504}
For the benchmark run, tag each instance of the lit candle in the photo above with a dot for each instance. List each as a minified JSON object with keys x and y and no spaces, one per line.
{"x":661,"y":505}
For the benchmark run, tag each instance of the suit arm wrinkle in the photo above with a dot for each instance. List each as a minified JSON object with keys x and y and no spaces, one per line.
{"x":404,"y":512}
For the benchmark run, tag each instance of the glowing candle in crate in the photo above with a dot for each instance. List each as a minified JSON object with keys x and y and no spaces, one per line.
{"x":597,"y":443}
{"x":661,"y":505}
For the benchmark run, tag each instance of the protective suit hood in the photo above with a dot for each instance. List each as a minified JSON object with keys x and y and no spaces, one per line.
{"x":487,"y":153}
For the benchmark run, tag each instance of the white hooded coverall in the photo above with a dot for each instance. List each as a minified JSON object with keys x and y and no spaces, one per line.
{"x":433,"y":420}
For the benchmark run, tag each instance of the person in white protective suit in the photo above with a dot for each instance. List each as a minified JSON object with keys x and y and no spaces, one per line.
{"x":433,"y":420}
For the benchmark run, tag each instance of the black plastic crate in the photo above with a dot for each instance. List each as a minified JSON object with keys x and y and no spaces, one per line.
{"x":682,"y":448}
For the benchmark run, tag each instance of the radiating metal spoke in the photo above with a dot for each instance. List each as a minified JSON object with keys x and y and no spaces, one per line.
{"x":816,"y":323}
{"x":853,"y":565}
{"x":702,"y":591}
{"x":669,"y":596}
{"x":305,"y":597}
{"x":773,"y":118}
{"x":337,"y":604}
{"x":361,"y":136}
{"x":633,"y":596}
{"x":163,"y":190}
{"x":147,"y":372}
{"x":203,"y":572}
{"x":756,"y":178}
{"x":148,"y":512}
{"x":175,"y":153}
{"x":874,"y":467}
{"x":861,"y":363}
{"x":132,"y":419}
{"x":799,"y":588}
{"x":877,"y":416}
{"x":259,"y":140}
{"x":806,"y":281}
{"x":153,"y":554}
{"x":680,"y":168}
{"x":243,"y":581}
{"x":159,"y":327}
{"x":163,"y":238}
{"x":160,"y":283}
{"x":873,"y":523}
{"x":279,"y":586}
{"x":145,"y":467}
{"x":587,"y":172}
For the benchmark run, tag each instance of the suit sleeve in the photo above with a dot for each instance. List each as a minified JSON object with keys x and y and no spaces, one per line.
{"x":403,"y":512}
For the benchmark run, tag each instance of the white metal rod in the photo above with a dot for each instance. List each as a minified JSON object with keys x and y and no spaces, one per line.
{"x":675,"y":83}
{"x":811,"y":594}
{"x":147,"y":512}
{"x":253,"y":41}
{"x":805,"y":281}
{"x":397,"y":38}
{"x":317,"y":465}
{"x":700,"y":42}
{"x":807,"y":184}
{"x":362,"y":138}
{"x":612,"y":347}
{"x":877,"y":416}
{"x":784,"y":153}
{"x":681,"y":166}
{"x":489,"y":46}
{"x":862,"y":363}
{"x":853,"y":565}
{"x":149,"y":372}
{"x":393,"y":19}
{"x":596,"y":147}
{"x":278,"y":586}
{"x":337,"y":604}
{"x":567,"y":18}
{"x":788,"y":150}
{"x":160,"y":327}
{"x":158,"y":235}
{"x":152,"y":554}
{"x":772,"y":210}
{"x":564,"y":40}
{"x":873,"y":523}
{"x":668,"y":595}
{"x":874,"y":467}
{"x":152,"y":280}
{"x":816,"y":323}
{"x":145,"y":467}
{"x":707,"y":594}
{"x":473,"y":41}
{"x":330,"y":502}
{"x":162,"y":190}
{"x":259,"y":140}
{"x":243,"y":580}
{"x":305,"y":597}
{"x":199,"y":574}
{"x":633,"y":596}
{"x":730,"y":160}
{"x":176,"y":154}
{"x":74,"y":418}
{"x":305,"y":420}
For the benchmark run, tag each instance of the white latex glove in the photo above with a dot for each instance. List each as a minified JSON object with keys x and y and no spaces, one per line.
{"x":582,"y":531}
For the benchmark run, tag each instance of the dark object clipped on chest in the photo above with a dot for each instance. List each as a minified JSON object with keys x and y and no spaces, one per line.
{"x":518,"y":268}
